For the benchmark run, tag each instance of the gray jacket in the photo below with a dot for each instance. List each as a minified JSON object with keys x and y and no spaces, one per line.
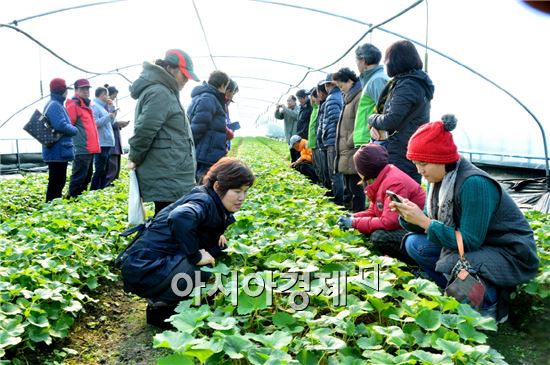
{"x":291,"y":120}
{"x":104,"y":123}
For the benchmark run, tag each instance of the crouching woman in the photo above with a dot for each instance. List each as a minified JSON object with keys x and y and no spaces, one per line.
{"x":379,"y":221}
{"x":184,"y":236}
{"x":498,"y":240}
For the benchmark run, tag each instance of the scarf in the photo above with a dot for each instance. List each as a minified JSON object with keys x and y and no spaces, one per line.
{"x":439,"y":203}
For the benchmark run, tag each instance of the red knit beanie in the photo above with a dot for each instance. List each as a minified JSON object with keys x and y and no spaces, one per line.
{"x":433,"y":142}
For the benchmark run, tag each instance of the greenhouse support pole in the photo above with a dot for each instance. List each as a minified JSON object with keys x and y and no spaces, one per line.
{"x":17,"y":154}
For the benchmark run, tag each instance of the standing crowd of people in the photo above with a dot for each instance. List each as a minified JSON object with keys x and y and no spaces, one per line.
{"x":364,"y":137}
{"x":90,"y":138}
{"x":369,"y":140}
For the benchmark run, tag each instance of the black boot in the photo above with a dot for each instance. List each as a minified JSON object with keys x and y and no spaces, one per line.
{"x":158,"y":312}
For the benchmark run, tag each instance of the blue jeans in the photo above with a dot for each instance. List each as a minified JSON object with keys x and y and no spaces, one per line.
{"x":426,"y":254}
{"x":101,"y":162}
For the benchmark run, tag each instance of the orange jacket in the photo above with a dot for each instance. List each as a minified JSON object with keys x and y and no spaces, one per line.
{"x":305,"y":153}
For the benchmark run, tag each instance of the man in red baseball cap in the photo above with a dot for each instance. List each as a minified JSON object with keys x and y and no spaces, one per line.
{"x":86,"y":141}
{"x":179,"y":58}
{"x":162,"y":150}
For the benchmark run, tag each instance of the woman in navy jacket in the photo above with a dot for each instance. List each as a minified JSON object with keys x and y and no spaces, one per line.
{"x":58,"y":156}
{"x":207,"y":117}
{"x":186,"y":234}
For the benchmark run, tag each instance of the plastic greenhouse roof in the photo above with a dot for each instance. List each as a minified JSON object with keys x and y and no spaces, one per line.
{"x":273,"y":48}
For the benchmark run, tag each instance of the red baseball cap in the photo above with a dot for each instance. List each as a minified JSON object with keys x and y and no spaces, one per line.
{"x":82,"y":83}
{"x":58,"y":86}
{"x":179,"y":58}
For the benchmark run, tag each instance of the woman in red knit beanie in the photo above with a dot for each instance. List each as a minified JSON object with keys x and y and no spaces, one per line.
{"x":497,"y":238}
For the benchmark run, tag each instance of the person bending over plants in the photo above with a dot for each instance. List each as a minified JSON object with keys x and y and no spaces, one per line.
{"x":184,"y":236}
{"x":497,"y":239}
{"x":304,"y":164}
{"x":379,"y":221}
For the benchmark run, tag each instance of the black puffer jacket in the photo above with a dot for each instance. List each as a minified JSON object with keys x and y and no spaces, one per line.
{"x":207,"y":116}
{"x":404,"y":105}
{"x":303,"y":119}
{"x":195,"y":221}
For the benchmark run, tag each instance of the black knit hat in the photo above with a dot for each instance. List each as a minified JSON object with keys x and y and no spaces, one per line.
{"x":370,"y":159}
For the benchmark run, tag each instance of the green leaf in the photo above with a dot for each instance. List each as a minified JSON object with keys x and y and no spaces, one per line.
{"x":247,"y":304}
{"x":201,"y":354}
{"x":268,"y":356}
{"x":38,"y":334}
{"x":370,"y":343}
{"x":468,"y":313}
{"x":277,"y":339}
{"x":306,"y":357}
{"x":177,"y":341}
{"x":423,"y":286}
{"x":234,"y":346}
{"x":451,"y":320}
{"x":220,"y":268}
{"x":420,"y":338}
{"x":222,"y":323}
{"x":10,"y":309}
{"x":486,"y":323}
{"x":468,"y":332}
{"x":431,"y":358}
{"x":429,"y":319}
{"x":379,"y":304}
{"x":40,"y":321}
{"x":175,"y":359}
{"x":334,"y":267}
{"x":92,"y":282}
{"x":378,"y":357}
{"x":74,"y":306}
{"x":7,"y":340}
{"x":283,"y":319}
{"x":13,"y":325}
{"x":190,"y":319}
{"x":449,"y":347}
{"x":326,"y":341}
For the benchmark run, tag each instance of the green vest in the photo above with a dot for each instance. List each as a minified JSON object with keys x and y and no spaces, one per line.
{"x":312,"y":131}
{"x":361,"y":131}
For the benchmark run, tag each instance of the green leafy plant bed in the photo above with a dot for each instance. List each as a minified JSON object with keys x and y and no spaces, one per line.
{"x":22,"y":195}
{"x":331,"y":301}
{"x":288,"y":227}
{"x":52,"y":257}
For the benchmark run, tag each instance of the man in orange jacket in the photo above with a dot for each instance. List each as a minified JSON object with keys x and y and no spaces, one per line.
{"x":304,"y":163}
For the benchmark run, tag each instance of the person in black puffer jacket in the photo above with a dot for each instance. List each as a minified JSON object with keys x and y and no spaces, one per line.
{"x":404,"y":104}
{"x":184,"y":236}
{"x":207,"y":116}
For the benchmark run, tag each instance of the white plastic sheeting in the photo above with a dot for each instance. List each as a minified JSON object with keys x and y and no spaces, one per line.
{"x":503,"y":40}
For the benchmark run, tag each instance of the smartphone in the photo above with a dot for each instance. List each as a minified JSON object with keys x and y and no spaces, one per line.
{"x":393,"y":196}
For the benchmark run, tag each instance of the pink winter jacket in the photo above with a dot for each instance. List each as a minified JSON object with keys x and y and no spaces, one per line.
{"x":378,"y":215}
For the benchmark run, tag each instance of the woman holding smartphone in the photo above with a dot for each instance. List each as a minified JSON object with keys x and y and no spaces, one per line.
{"x":497,"y":238}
